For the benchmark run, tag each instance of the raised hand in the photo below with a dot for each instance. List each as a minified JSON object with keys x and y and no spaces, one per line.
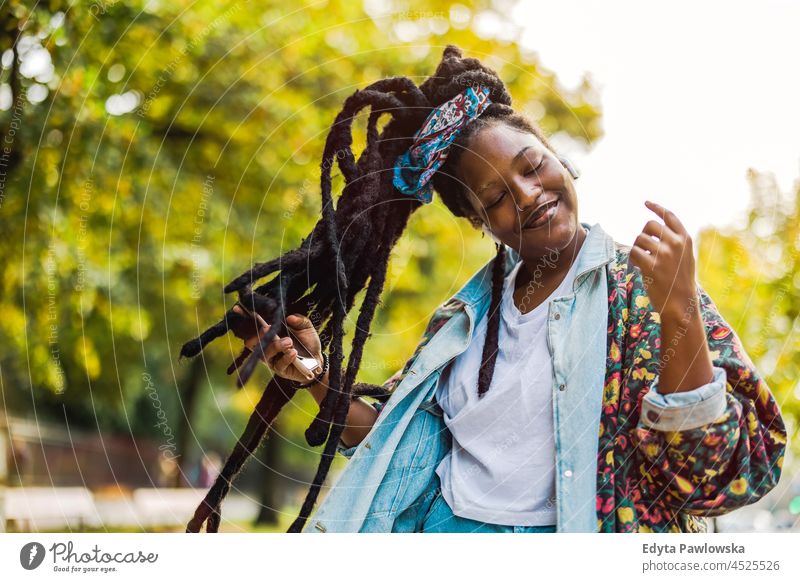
{"x":666,"y":263}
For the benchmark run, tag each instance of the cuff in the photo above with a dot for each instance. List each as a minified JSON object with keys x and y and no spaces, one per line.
{"x":685,"y":410}
{"x":346,"y":451}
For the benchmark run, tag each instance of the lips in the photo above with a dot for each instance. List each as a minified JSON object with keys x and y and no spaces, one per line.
{"x":540,"y":210}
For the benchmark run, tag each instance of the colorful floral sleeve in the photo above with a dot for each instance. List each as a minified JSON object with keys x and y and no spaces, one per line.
{"x":726,"y":463}
{"x":439,"y":318}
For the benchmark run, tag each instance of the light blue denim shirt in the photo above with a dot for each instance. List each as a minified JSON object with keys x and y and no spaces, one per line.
{"x":388,"y":471}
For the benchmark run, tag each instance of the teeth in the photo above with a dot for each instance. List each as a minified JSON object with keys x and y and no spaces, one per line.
{"x":539,"y":213}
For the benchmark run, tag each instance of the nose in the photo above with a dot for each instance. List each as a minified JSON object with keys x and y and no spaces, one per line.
{"x":526,"y":197}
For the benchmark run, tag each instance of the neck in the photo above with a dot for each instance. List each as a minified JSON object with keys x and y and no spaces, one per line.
{"x":551,"y":267}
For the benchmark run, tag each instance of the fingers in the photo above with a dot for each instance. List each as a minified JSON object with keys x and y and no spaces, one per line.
{"x":647,"y":243}
{"x":661,"y":231}
{"x":238,"y":308}
{"x":241,"y":310}
{"x":298,"y":322}
{"x":279,"y":354}
{"x":261,"y":320}
{"x":243,"y":326}
{"x":263,"y":326}
{"x":252,"y":341}
{"x":645,"y":261}
{"x":281,"y":363}
{"x":668,"y":216}
{"x":275,"y":349}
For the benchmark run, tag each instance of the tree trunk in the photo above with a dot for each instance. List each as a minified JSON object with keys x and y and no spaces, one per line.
{"x":188,"y":398}
{"x":270,"y":481}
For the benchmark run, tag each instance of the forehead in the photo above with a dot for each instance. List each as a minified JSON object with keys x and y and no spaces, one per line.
{"x":491,"y":152}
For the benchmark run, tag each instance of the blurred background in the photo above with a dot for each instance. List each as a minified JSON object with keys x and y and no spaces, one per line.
{"x":151,"y":151}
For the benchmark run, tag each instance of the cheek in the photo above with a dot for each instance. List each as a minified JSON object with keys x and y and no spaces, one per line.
{"x":504,"y":223}
{"x":569,"y":200}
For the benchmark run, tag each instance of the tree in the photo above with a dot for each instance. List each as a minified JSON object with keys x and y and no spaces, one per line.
{"x":752,"y":271}
{"x":160,"y":149}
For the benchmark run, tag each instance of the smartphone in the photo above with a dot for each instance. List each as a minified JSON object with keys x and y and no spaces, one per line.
{"x":308,"y":365}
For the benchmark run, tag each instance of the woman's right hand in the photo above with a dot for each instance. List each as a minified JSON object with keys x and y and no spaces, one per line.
{"x":280,"y":354}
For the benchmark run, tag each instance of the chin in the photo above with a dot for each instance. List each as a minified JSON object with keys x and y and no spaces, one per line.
{"x":555,"y":236}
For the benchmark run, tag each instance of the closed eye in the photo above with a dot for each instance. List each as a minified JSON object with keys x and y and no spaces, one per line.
{"x":537,"y":168}
{"x":497,"y":201}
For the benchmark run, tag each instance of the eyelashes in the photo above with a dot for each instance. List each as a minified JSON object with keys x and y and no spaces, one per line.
{"x":496,"y":202}
{"x":502,"y":195}
{"x":539,"y":167}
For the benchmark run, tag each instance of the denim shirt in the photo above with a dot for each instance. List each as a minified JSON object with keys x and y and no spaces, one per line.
{"x":388,"y":471}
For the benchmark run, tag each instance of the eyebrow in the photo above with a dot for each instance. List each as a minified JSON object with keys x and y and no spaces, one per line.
{"x":514,"y":161}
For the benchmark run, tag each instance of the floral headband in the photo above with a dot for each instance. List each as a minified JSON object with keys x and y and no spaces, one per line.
{"x":414,"y":169}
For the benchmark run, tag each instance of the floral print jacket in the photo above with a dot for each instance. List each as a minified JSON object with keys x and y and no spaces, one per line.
{"x":651,"y":480}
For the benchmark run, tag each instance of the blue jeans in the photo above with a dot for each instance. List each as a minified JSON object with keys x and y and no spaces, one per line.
{"x":439,"y":518}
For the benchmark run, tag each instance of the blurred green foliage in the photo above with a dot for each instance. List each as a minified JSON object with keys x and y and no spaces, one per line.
{"x":160,"y":148}
{"x":752,"y":272}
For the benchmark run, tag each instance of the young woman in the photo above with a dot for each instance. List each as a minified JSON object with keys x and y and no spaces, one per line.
{"x":572,"y":384}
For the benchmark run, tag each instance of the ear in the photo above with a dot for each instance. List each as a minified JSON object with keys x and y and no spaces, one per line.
{"x":476,"y":222}
{"x":570,"y":168}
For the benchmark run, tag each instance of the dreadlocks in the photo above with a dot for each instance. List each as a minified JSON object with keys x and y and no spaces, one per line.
{"x":347,"y":250}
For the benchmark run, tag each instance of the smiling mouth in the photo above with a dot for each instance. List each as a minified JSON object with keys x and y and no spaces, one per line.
{"x":540,"y":212}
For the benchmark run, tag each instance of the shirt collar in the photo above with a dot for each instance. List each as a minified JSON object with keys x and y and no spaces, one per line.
{"x":596,"y":251}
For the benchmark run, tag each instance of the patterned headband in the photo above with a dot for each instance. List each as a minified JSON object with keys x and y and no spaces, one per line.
{"x":414,"y":169}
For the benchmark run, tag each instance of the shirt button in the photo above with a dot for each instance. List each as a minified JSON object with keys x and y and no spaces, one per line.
{"x":562,"y":387}
{"x":567,"y":473}
{"x":557,"y":316}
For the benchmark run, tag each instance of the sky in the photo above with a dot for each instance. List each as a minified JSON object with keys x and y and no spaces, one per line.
{"x":692,"y":95}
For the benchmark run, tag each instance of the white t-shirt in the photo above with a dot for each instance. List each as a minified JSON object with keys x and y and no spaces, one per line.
{"x":501,"y":468}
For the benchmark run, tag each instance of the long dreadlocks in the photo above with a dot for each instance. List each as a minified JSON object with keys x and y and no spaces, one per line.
{"x":322,"y":277}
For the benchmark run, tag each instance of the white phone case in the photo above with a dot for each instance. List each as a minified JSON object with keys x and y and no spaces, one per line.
{"x":308,"y":365}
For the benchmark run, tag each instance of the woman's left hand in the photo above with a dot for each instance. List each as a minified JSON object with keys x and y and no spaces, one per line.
{"x":666,"y":263}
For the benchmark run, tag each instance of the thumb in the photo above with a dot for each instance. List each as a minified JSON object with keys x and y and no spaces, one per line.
{"x":298,"y":322}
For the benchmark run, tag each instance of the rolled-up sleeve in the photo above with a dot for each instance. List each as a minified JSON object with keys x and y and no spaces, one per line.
{"x":346,"y":451}
{"x":728,"y":460}
{"x":685,"y":410}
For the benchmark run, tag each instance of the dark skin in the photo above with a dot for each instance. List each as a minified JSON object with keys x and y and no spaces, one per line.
{"x":280,"y":356}
{"x":663,"y":253}
{"x":522,"y":182}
